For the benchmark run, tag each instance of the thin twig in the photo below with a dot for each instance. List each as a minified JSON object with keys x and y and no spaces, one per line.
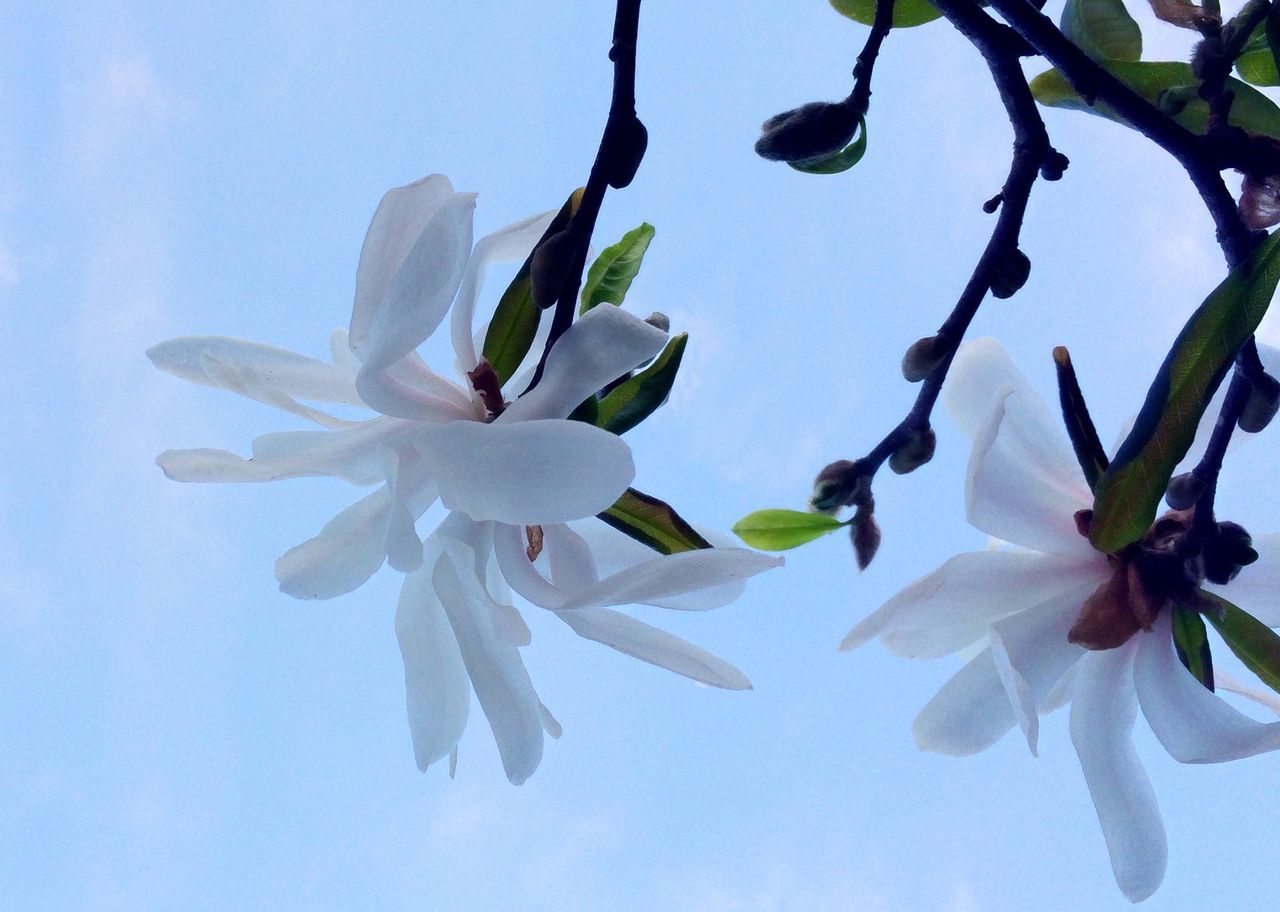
{"x":860,"y":97}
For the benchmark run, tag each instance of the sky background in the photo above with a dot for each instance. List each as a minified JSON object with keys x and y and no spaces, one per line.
{"x":180,"y":735}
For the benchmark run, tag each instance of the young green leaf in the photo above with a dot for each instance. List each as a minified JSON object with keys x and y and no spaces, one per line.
{"x":1084,"y":436}
{"x":1103,"y":29}
{"x":610,"y":276}
{"x":779,"y":530}
{"x":1250,"y":109}
{"x":1191,"y":642}
{"x":515,"y":320}
{"x":652,"y":522}
{"x":1257,"y":645}
{"x":906,"y":13}
{"x":836,"y":162}
{"x":637,"y":397}
{"x":1129,"y":491}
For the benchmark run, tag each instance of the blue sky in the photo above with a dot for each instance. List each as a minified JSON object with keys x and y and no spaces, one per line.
{"x":180,"y":735}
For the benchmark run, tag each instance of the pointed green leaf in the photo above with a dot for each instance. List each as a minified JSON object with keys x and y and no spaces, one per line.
{"x":653,"y":522}
{"x":1084,"y":436}
{"x":1250,"y":110}
{"x":837,"y":162}
{"x":906,"y":13}
{"x":1254,"y":642}
{"x":1103,"y":29}
{"x":636,"y":398}
{"x":515,"y":320}
{"x":1191,"y":642}
{"x":1129,"y":491}
{"x":779,"y":530}
{"x":610,"y":276}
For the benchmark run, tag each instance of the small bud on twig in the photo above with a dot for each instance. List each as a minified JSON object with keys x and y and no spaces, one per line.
{"x":993,"y":204}
{"x":659,"y":321}
{"x":809,"y":131}
{"x":1184,"y":491}
{"x":838,"y":485}
{"x":1010,"y":274}
{"x":1054,"y":165}
{"x":1262,"y":404}
{"x":914,"y":452}
{"x":1231,"y":549}
{"x":548,"y":268}
{"x":628,"y":146}
{"x":865,"y":534}
{"x":923,"y":357}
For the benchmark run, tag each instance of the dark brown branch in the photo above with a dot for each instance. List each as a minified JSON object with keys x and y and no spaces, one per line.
{"x":860,"y":97}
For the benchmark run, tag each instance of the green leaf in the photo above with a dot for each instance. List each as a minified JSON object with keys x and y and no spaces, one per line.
{"x":1258,"y":68}
{"x":906,"y":13}
{"x":1254,"y":642}
{"x":779,"y":530}
{"x":653,"y":522}
{"x":1251,"y":110}
{"x":1084,"y":436}
{"x":836,"y":162}
{"x":610,"y":276}
{"x":515,"y":320}
{"x":1191,"y":642}
{"x":637,"y":397}
{"x":1129,"y":491}
{"x":1103,"y":29}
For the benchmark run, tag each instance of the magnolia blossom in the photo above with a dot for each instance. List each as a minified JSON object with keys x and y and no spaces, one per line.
{"x":515,"y":476}
{"x":1016,"y":606}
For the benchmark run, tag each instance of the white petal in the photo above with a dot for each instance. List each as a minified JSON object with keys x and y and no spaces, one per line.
{"x":1102,"y":714}
{"x":513,"y":242}
{"x":527,"y":473}
{"x":550,"y":724}
{"x":509,"y":625}
{"x":1257,"y":588}
{"x":981,"y":370}
{"x":1018,"y":691}
{"x":347,"y":552}
{"x":649,"y":644}
{"x":1023,"y":484}
{"x":437,"y":691}
{"x":1266,"y":698}
{"x":1060,"y":695}
{"x":601,"y":346}
{"x":397,"y":224}
{"x":573,"y":569}
{"x":497,"y":672}
{"x":972,"y":711}
{"x":952,"y":606}
{"x":422,"y":289}
{"x":413,"y":490}
{"x":658,"y":579}
{"x":394,"y":395}
{"x":291,"y":374}
{"x":1193,"y":724}
{"x":520,"y":574}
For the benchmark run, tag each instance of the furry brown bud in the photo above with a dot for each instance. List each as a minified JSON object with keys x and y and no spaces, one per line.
{"x":659,"y":321}
{"x":1010,"y":274}
{"x":1261,"y":407}
{"x":809,"y":131}
{"x":923,"y":357}
{"x":629,"y":145}
{"x":1054,"y":165}
{"x":865,"y":533}
{"x":836,"y":486}
{"x":1184,"y":491}
{"x":914,"y":452}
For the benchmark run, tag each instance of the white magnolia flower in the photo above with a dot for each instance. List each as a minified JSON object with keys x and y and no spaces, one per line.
{"x":513,"y":482}
{"x":1018,"y":605}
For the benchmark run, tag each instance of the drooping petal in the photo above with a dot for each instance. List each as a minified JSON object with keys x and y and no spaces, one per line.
{"x":1022,"y":483}
{"x":348,"y":550}
{"x":519,"y":572}
{"x":437,"y":690}
{"x":394,"y":395}
{"x":496,"y":670}
{"x":972,"y":710}
{"x":650,"y":644}
{"x":1257,"y":588}
{"x":402,"y":214}
{"x":952,"y":606}
{"x":422,"y":289}
{"x":1267,"y":698}
{"x":512,"y":243}
{"x":1018,"y":691}
{"x":981,"y":370}
{"x":413,"y":490}
{"x":1193,"y":725}
{"x":290,"y":373}
{"x":660,"y":578}
{"x":601,"y":346}
{"x":1102,"y":714}
{"x":527,"y":473}
{"x":573,"y":568}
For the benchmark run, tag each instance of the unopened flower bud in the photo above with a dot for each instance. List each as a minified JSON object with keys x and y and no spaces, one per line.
{"x":1231,"y":549}
{"x":993,"y":204}
{"x":836,"y":486}
{"x":548,"y":268}
{"x":659,"y":321}
{"x":914,"y":452}
{"x":865,"y":534}
{"x":1261,"y":407}
{"x":923,"y":357}
{"x":1184,"y":491}
{"x":1010,"y":274}
{"x":809,"y":131}
{"x":1054,"y":165}
{"x":628,"y":150}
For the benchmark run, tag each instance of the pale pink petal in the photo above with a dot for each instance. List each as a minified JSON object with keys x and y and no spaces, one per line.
{"x":601,"y":346}
{"x":437,"y":690}
{"x":529,"y":472}
{"x":347,"y":552}
{"x":1257,"y":588}
{"x":982,"y":369}
{"x":1193,"y":724}
{"x":1102,"y":714}
{"x":394,"y":395}
{"x":287,"y":372}
{"x":649,"y":644}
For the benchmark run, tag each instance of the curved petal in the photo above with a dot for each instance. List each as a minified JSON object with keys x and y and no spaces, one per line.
{"x":572,"y":566}
{"x":413,"y":490}
{"x":662,"y":577}
{"x":1265,"y":698}
{"x":290,"y":373}
{"x":1193,"y":725}
{"x":649,"y":644}
{"x":1102,"y":714}
{"x":422,"y":289}
{"x":437,"y":690}
{"x":514,"y":242}
{"x":1018,"y":691}
{"x":1257,"y":588}
{"x":972,"y":711}
{"x":601,"y":346}
{"x":1022,"y":483}
{"x":952,"y":606}
{"x":981,"y":370}
{"x":348,"y":550}
{"x":527,"y":473}
{"x":394,"y":395}
{"x":402,"y":214}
